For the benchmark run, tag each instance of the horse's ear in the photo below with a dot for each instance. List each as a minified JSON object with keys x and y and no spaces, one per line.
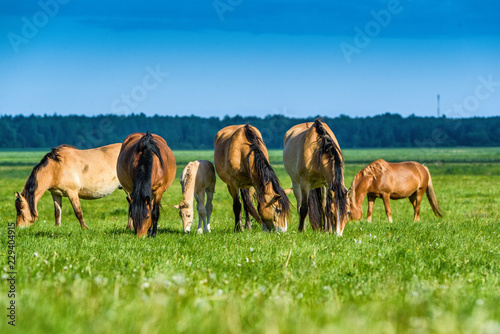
{"x":289,"y":190}
{"x":176,"y":207}
{"x":18,"y":196}
{"x":349,"y":192}
{"x":274,"y":200}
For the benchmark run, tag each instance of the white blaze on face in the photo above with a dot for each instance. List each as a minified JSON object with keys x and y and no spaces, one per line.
{"x":282,"y":229}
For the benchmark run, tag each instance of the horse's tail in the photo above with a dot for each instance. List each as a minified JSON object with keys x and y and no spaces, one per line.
{"x":431,"y":196}
{"x":142,"y":193}
{"x":330,"y":148}
{"x":265,"y":173}
{"x":316,"y":213}
{"x":248,"y":205}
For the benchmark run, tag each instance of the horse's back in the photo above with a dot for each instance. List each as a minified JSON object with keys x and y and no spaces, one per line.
{"x":400,"y":179}
{"x":231,"y":149}
{"x":92,"y":172}
{"x":163,"y":173}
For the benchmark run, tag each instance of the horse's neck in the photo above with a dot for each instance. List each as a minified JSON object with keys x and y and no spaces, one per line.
{"x":43,"y":183}
{"x":188,"y":187}
{"x":360,"y":191}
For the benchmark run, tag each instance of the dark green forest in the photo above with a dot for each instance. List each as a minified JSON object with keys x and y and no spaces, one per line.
{"x":193,"y":132}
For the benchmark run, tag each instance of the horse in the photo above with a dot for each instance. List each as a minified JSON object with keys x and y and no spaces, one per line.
{"x":381,"y":179}
{"x":314,"y":161}
{"x":69,"y":172}
{"x":197,"y":178}
{"x":146,"y":168}
{"x":242,"y":161}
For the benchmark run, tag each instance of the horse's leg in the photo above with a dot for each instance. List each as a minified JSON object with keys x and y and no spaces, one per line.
{"x":57,"y":207}
{"x":155,"y":216}
{"x":304,"y":207}
{"x":413,"y":201}
{"x":209,"y":206}
{"x":238,"y":226}
{"x":371,"y":201}
{"x":75,"y":203}
{"x":130,"y":224}
{"x":387,"y":203}
{"x":202,"y":212}
{"x":298,"y":194}
{"x":420,"y":194}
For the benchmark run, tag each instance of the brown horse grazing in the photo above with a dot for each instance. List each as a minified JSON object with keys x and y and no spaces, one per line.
{"x":197,"y":179}
{"x":385,"y":180}
{"x":146,"y":168}
{"x":241,"y":161}
{"x":313,"y":159}
{"x":69,"y":172}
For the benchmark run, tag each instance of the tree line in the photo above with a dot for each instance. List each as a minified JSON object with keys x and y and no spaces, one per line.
{"x":194,"y":132}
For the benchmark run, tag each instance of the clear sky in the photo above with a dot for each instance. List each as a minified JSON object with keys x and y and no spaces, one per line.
{"x":250,"y":57}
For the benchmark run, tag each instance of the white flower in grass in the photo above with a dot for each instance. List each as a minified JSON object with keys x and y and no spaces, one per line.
{"x":35,"y":254}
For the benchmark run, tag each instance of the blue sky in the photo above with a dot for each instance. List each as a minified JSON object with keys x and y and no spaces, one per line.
{"x":228,"y":57}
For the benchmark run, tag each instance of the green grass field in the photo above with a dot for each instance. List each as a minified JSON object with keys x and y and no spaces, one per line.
{"x":434,"y":276}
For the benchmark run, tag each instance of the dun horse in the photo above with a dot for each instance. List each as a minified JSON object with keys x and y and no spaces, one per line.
{"x":385,"y":180}
{"x":242,"y":161}
{"x":313,"y":159}
{"x":146,"y":168}
{"x":197,"y":179}
{"x":69,"y":172}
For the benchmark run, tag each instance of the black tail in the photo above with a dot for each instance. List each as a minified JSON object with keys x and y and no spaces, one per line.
{"x":316,"y":212}
{"x":265,"y":173}
{"x":142,"y":193}
{"x":327,"y":146}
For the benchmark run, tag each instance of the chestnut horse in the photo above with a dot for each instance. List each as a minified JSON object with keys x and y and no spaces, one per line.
{"x":197,"y":179}
{"x":385,"y":180}
{"x":313,"y":160}
{"x":69,"y":172}
{"x":241,"y":161}
{"x":146,"y":168}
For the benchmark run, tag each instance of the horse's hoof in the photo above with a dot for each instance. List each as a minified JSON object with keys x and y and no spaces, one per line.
{"x":199,"y":231}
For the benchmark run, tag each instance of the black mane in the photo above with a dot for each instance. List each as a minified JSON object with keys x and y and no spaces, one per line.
{"x":328,"y":147}
{"x":265,"y":172}
{"x":142,"y":193}
{"x":32,"y":183}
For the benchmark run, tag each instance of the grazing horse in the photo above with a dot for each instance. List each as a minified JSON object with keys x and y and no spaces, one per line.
{"x":313,"y":159}
{"x":385,"y":180}
{"x":241,"y":161}
{"x":69,"y":172}
{"x":146,"y":168}
{"x":197,"y":179}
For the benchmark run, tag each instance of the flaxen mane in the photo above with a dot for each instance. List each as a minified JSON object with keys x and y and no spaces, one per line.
{"x":328,"y":147}
{"x":142,"y":193}
{"x":32,"y":183}
{"x":265,"y":172}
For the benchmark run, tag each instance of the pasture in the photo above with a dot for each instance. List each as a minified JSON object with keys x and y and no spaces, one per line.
{"x":433,"y":276}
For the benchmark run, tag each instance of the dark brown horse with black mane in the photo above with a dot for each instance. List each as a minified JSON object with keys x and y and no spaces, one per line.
{"x":241,"y":161}
{"x":68,"y":172}
{"x":385,"y":180}
{"x":313,"y":159}
{"x":146,"y":168}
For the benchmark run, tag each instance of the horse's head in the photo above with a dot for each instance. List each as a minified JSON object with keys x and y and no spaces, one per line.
{"x":25,"y":216}
{"x":186,"y":213}
{"x":140,"y":212}
{"x":339,"y":221}
{"x":274,"y":210}
{"x":355,"y":211}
